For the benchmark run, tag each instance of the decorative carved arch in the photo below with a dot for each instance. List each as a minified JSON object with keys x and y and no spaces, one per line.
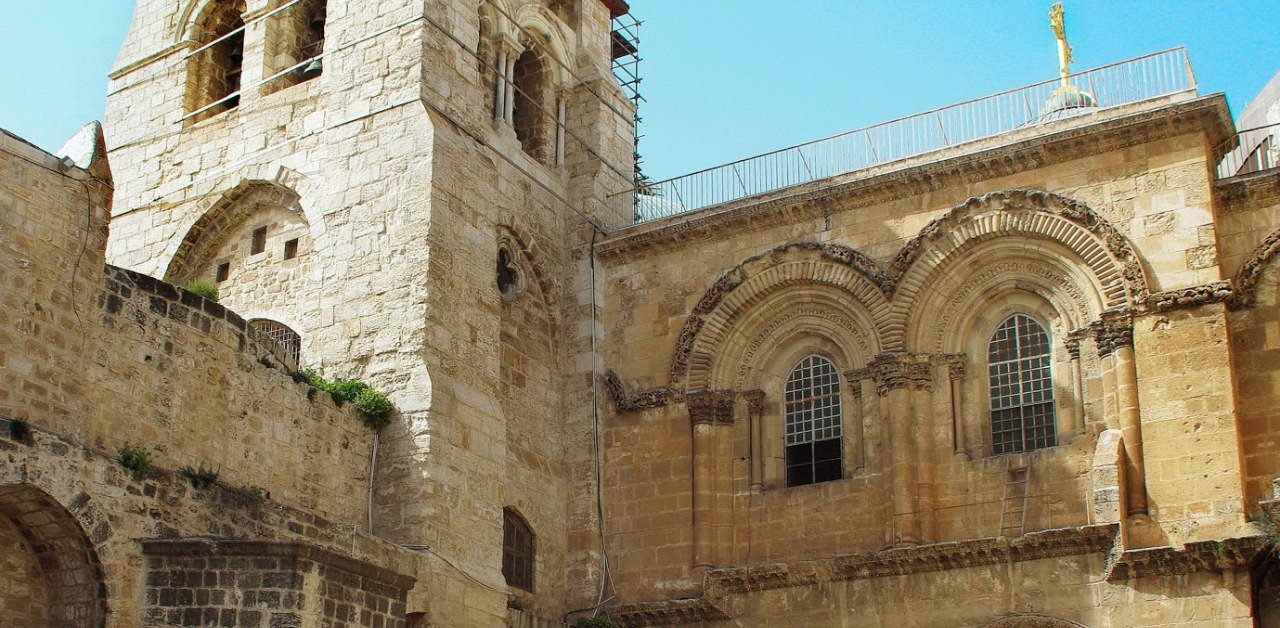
{"x":189,"y":16}
{"x":209,"y":232}
{"x":1246,"y":280}
{"x":529,"y":255}
{"x":855,"y":275}
{"x":1033,"y":621}
{"x":72,"y":571}
{"x":1114,"y":271}
{"x":537,"y":18}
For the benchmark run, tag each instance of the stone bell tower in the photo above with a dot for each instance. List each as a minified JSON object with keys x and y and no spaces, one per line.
{"x":350,"y":173}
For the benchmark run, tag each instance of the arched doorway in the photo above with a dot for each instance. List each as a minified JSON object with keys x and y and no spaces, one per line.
{"x":51,"y":576}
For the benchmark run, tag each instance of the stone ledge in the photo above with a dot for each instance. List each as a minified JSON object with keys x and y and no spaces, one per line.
{"x":1091,"y":539}
{"x":1190,"y":558}
{"x":275,"y":549}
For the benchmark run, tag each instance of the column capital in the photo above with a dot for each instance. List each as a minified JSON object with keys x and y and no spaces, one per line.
{"x":1113,"y":330}
{"x":755,"y":402}
{"x":892,"y":371}
{"x":957,"y":365}
{"x":711,"y":407}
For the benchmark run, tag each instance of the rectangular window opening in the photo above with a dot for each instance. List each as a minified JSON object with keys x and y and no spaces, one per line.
{"x":291,"y":249}
{"x":224,"y":271}
{"x":259,"y":241}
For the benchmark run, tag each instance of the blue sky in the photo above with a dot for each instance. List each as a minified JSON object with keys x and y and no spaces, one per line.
{"x":726,"y":80}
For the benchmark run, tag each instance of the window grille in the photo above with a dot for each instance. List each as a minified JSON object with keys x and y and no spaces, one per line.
{"x":813,"y":427}
{"x":1018,"y":364}
{"x":517,"y":551}
{"x":288,"y":339}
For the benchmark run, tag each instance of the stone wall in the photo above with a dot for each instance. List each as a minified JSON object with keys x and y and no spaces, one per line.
{"x":914,"y":259}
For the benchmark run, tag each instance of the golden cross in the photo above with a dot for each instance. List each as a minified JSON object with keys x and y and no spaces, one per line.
{"x":1058,"y":24}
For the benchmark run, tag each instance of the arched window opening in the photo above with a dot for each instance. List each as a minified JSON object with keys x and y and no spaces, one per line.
{"x":517,"y":551}
{"x":311,"y":43}
{"x":814,"y":429}
{"x":531,"y":123}
{"x":508,"y":275}
{"x":217,"y":69}
{"x":288,"y":339}
{"x":1018,"y":366}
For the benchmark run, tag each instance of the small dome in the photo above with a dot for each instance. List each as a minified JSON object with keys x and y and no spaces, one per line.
{"x":1066,"y":102}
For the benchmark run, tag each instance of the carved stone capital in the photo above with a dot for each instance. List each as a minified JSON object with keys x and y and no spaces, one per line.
{"x":711,"y":407}
{"x":1073,"y":346}
{"x":1113,"y":330}
{"x":891,"y":371}
{"x":755,"y":402}
{"x":957,"y":365}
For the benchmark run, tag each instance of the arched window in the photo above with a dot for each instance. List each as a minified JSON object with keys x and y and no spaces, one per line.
{"x":517,"y":551}
{"x":216,"y":70}
{"x":813,"y":434}
{"x":531,"y":122}
{"x":288,"y":339}
{"x":1018,"y":358}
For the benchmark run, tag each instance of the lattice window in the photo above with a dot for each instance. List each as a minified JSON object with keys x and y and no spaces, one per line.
{"x":288,"y":339}
{"x":1018,"y":365}
{"x":813,"y":428}
{"x":517,"y":551}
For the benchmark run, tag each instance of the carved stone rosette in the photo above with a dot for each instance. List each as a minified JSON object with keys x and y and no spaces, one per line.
{"x":1114,"y":330}
{"x":711,"y":407}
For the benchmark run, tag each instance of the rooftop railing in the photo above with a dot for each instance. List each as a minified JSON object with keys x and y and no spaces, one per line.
{"x":1144,"y":78}
{"x":1250,"y":151}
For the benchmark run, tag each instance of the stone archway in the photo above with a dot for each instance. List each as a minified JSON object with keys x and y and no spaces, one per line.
{"x":61,"y":580}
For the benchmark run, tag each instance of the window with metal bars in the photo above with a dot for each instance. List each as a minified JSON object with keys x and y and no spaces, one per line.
{"x":517,"y":551}
{"x":1021,"y":384}
{"x":813,"y":429}
{"x":288,"y":339}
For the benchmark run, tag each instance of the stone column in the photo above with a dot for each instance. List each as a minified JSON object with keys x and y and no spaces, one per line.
{"x":509,"y":110}
{"x":1114,"y":337}
{"x":956,"y":371}
{"x":755,"y":412}
{"x":707,"y":411}
{"x":500,"y":88}
{"x":920,"y":372}
{"x":889,"y":371}
{"x":1077,"y":387}
{"x":855,"y":447}
{"x":561,"y":117}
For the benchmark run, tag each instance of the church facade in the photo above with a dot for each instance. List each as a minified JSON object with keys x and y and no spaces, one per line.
{"x":1023,"y":379}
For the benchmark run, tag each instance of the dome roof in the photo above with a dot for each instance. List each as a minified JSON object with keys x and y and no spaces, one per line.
{"x":1064,"y":103}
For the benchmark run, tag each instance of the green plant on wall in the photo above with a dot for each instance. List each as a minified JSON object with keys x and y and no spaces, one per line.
{"x":201,"y":478}
{"x":137,"y":460}
{"x":374,"y":406}
{"x":204,"y":288}
{"x":19,"y":430}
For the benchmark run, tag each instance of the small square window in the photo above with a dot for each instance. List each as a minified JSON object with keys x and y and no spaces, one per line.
{"x":224,"y":271}
{"x":259,"y":241}
{"x":291,"y":249}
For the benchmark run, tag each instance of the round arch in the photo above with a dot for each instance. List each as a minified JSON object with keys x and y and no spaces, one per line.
{"x":1037,"y":227}
{"x":210,"y":230}
{"x":534,"y":18}
{"x":72,"y":573}
{"x":855,"y":284}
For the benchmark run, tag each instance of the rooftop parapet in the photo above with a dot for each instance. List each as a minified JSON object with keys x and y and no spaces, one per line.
{"x":1149,"y":78}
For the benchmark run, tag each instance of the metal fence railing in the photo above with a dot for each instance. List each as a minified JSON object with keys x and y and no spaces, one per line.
{"x":1249,"y":151}
{"x":1153,"y":76}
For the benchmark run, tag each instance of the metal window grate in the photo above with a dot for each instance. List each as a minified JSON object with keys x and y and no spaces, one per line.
{"x":288,"y":339}
{"x":813,"y":428}
{"x":517,"y":551}
{"x":1021,"y":385}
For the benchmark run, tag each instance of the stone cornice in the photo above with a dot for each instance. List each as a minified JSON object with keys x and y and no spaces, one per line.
{"x":1216,"y":292}
{"x":1190,"y":558}
{"x":1093,"y":539}
{"x":630,"y":402}
{"x":810,"y":202}
{"x":1238,"y":193}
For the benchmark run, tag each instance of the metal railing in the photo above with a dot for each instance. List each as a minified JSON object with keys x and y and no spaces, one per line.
{"x":1249,"y":151}
{"x":1144,"y":78}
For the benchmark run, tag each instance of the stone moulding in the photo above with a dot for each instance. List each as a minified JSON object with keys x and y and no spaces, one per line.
{"x":1190,"y":558}
{"x":1216,"y":292}
{"x":1092,"y":539}
{"x":1246,"y":281}
{"x":806,"y":203}
{"x":643,"y":400}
